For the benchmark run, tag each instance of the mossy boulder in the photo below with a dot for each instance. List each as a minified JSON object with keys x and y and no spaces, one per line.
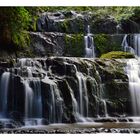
{"x":74,"y":45}
{"x":117,"y":55}
{"x":105,"y":43}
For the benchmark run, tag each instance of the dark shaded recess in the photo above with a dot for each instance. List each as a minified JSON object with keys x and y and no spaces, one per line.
{"x":6,"y":43}
{"x":16,"y":98}
{"x":118,"y":98}
{"x":105,"y":25}
{"x":130,"y":26}
{"x":46,"y":98}
{"x":93,"y":98}
{"x":68,"y":108}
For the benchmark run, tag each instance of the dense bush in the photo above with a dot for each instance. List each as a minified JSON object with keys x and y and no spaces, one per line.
{"x":14,"y":22}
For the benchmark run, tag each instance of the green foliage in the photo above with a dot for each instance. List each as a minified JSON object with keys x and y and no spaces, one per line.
{"x":74,"y":45}
{"x":117,"y":55}
{"x":66,"y":8}
{"x":15,"y":20}
{"x":104,"y":44}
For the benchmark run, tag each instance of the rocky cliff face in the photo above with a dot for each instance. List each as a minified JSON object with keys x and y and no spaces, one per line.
{"x":72,"y":22}
{"x":47,"y":43}
{"x":62,"y":33}
{"x":69,"y":89}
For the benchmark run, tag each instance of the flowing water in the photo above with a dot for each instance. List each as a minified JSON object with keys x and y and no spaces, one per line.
{"x":133,"y":46}
{"x":133,"y":72}
{"x":46,"y":99}
{"x":136,"y":44}
{"x":89,"y":44}
{"x":125,"y":45}
{"x":4,"y":87}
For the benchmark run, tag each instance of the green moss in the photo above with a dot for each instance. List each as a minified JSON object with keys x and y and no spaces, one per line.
{"x":74,"y":45}
{"x":64,"y":26}
{"x":117,"y":54}
{"x":104,"y":44}
{"x":71,"y":26}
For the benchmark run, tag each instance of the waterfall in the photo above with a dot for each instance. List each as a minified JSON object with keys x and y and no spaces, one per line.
{"x":89,"y":44}
{"x":37,"y":99}
{"x":4,"y":87}
{"x":135,"y":48}
{"x":43,"y":99}
{"x":118,"y":28}
{"x":55,"y":102}
{"x":75,"y":105}
{"x":105,"y":108}
{"x":133,"y":71}
{"x":125,"y":45}
{"x":103,"y":100}
{"x":32,"y":88}
{"x":83,"y":97}
{"x":136,"y":44}
{"x":28,"y":100}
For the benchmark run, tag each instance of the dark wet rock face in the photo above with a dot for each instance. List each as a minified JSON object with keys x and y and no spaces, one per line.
{"x":47,"y":44}
{"x":105,"y":25}
{"x":69,"y":89}
{"x":67,"y":22}
{"x":74,"y":22}
{"x":130,"y":26}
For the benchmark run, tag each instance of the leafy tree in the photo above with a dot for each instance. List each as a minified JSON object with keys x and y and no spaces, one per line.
{"x":14,"y":22}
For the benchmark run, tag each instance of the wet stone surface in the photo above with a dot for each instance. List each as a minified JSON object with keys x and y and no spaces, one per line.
{"x":72,"y":131}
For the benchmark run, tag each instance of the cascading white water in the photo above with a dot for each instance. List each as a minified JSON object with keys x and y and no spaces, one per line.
{"x":133,"y":72}
{"x":136,"y":43}
{"x":101,"y":94}
{"x":105,"y":108}
{"x":103,"y":100}
{"x":37,"y":99}
{"x":28,"y":100}
{"x":125,"y":45}
{"x":83,"y":97}
{"x":58,"y":103}
{"x":52,"y":113}
{"x":89,"y":44}
{"x":32,"y":87}
{"x":4,"y":93}
{"x":118,"y":28}
{"x":55,"y":102}
{"x":29,"y":72}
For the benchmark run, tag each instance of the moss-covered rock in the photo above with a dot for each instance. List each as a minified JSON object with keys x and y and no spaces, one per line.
{"x":117,"y":55}
{"x":105,"y":43}
{"x":74,"y":45}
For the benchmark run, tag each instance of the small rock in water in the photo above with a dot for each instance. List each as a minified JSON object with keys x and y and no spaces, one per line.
{"x":101,"y":130}
{"x":122,"y":120}
{"x":106,"y":120}
{"x":136,"y":131}
{"x":130,"y":120}
{"x":124,"y":131}
{"x":113,"y":130}
{"x":107,"y":131}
